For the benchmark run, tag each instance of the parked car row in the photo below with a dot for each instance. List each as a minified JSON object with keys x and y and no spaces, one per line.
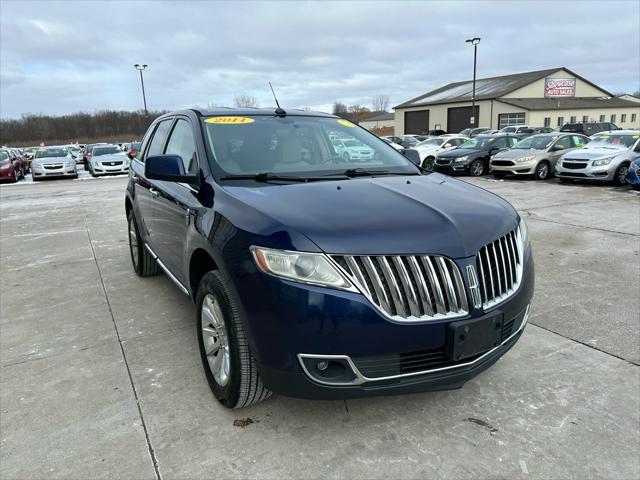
{"x":606,"y":156}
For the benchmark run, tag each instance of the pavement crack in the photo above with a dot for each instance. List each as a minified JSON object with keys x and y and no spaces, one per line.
{"x":152,"y":453}
{"x":538,"y":219}
{"x":631,"y":362}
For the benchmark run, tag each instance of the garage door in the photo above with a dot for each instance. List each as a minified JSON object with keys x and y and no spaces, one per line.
{"x":459,"y":118}
{"x":416,"y":122}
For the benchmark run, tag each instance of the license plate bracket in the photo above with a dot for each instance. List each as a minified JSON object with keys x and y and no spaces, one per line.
{"x":468,"y":338}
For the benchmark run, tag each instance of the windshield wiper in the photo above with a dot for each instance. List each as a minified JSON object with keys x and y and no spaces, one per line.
{"x":269,"y":176}
{"x":361,"y":172}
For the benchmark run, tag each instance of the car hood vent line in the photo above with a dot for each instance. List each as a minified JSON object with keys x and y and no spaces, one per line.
{"x":408,"y":288}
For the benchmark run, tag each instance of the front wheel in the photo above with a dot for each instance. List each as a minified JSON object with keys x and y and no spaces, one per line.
{"x":543,"y":170}
{"x":427,"y":163}
{"x":620,"y":177}
{"x":224,"y":349}
{"x":143,"y":262}
{"x":476,"y":168}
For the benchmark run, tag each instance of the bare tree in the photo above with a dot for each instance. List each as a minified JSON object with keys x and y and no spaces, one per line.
{"x":340,"y":109}
{"x":380,"y":103}
{"x":245,"y":101}
{"x":358,"y":113}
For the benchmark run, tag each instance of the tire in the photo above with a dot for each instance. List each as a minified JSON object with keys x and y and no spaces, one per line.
{"x":477,"y":168}
{"x":91,"y":171}
{"x":143,"y":263}
{"x":14,"y":178}
{"x":543,"y":170}
{"x":427,"y":163}
{"x":221,"y":332}
{"x":620,"y":177}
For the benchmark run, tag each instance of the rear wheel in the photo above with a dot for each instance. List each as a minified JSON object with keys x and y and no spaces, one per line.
{"x":620,"y":177}
{"x":476,"y":168}
{"x":143,"y":263}
{"x":427,"y":163}
{"x":224,"y":349}
{"x":543,"y":170}
{"x":14,"y":177}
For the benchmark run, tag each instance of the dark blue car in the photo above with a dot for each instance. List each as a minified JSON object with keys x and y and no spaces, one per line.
{"x":317,"y":276}
{"x":633,"y":176}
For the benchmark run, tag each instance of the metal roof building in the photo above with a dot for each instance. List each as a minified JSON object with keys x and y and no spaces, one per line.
{"x":549,"y":98}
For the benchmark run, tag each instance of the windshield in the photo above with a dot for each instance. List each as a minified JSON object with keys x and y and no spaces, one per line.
{"x":534,"y":143}
{"x":466,"y":131}
{"x":432,"y":142}
{"x":135,"y":146}
{"x":477,"y":143}
{"x":97,"y":151}
{"x":299,"y":146}
{"x":508,"y":130}
{"x":626,"y":141}
{"x":51,"y":152}
{"x":4,"y":156}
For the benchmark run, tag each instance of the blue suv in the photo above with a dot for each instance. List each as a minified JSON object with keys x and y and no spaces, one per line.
{"x":317,"y":276}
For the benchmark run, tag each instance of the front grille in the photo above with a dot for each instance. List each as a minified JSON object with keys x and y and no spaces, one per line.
{"x":408,"y":287}
{"x":443,"y":161}
{"x":111,"y":163}
{"x":574,"y":166}
{"x":499,"y":265}
{"x":502,"y":163}
{"x":53,"y":166}
{"x":571,"y":174}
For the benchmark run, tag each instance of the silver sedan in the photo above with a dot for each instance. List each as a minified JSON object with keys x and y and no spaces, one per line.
{"x":53,"y":162}
{"x":536,"y":155}
{"x":108,"y":159}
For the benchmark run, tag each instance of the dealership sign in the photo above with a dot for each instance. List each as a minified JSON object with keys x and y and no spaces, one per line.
{"x":559,"y":87}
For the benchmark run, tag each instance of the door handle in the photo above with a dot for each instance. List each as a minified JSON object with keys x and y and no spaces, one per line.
{"x":154,"y":193}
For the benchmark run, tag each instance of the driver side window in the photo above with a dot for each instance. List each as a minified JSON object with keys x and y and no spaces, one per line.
{"x":182,"y":143}
{"x":565,"y":142}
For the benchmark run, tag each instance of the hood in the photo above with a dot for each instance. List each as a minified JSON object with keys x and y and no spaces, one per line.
{"x":518,"y":153}
{"x":46,"y":160}
{"x":589,"y":153}
{"x":459,"y":152}
{"x":386,"y":215}
{"x":110,"y":157}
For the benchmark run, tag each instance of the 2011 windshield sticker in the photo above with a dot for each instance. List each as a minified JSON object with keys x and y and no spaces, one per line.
{"x":229,"y":120}
{"x":345,"y":123}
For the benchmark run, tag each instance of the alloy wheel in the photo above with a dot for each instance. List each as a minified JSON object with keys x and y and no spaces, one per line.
{"x":215,"y":340}
{"x":477,"y":169}
{"x":622,"y":175}
{"x":543,"y":171}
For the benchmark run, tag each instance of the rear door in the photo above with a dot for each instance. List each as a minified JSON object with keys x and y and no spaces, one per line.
{"x":176,"y":204}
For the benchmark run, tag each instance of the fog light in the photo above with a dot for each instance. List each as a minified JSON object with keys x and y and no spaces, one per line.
{"x":322,"y":366}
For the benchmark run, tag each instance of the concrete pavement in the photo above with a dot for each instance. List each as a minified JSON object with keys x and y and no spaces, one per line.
{"x":100,"y":375}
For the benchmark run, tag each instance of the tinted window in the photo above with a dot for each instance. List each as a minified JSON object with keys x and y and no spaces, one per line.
{"x":579,"y":141}
{"x":502,"y":143}
{"x":181,"y":143}
{"x":155,"y":147}
{"x":572,"y":127}
{"x":565,"y":142}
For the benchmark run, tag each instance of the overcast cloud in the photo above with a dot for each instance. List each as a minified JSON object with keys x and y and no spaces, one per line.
{"x":62,"y":57}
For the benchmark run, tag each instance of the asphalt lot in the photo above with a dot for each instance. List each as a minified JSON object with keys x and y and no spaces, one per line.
{"x":100,"y":375}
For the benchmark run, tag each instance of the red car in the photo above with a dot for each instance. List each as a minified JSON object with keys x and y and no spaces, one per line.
{"x":10,"y":167}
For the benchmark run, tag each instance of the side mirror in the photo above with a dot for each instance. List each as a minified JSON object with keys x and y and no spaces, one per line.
{"x":168,"y":168}
{"x":557,"y":148}
{"x":412,"y":155}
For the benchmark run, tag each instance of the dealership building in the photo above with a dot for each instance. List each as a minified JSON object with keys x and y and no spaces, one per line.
{"x":544,"y":98}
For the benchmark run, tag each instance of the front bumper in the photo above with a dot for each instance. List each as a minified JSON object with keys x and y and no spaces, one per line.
{"x":47,"y":171}
{"x":290,"y":322}
{"x":451,"y":167}
{"x":105,"y":169}
{"x":511,"y":167}
{"x":604,"y":173}
{"x":633,"y":177}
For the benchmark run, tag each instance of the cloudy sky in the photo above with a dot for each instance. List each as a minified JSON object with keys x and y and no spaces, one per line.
{"x":62,"y":57}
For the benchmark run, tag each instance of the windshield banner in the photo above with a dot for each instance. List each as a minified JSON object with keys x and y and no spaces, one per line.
{"x":559,"y":87}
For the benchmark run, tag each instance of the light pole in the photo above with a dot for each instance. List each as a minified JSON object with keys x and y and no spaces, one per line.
{"x":140,"y":68}
{"x":474,"y":41}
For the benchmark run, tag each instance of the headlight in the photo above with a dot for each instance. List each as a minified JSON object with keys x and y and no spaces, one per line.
{"x":524,"y":232}
{"x":526,"y":159}
{"x":602,"y":161}
{"x":461,"y":159}
{"x":313,"y":268}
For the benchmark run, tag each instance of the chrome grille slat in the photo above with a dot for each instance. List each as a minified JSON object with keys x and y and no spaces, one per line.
{"x":408,"y":287}
{"x":383,"y":300}
{"x":500,"y":264}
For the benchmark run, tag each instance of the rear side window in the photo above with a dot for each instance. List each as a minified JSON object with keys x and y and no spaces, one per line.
{"x":181,"y":143}
{"x":159,"y":136}
{"x":565,"y":142}
{"x":579,"y":141}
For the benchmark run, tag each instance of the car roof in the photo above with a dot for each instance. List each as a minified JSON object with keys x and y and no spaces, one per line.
{"x":207,"y":112}
{"x":620,"y":132}
{"x":496,"y":135}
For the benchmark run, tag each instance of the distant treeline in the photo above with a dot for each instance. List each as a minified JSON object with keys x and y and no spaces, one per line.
{"x":31,"y":129}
